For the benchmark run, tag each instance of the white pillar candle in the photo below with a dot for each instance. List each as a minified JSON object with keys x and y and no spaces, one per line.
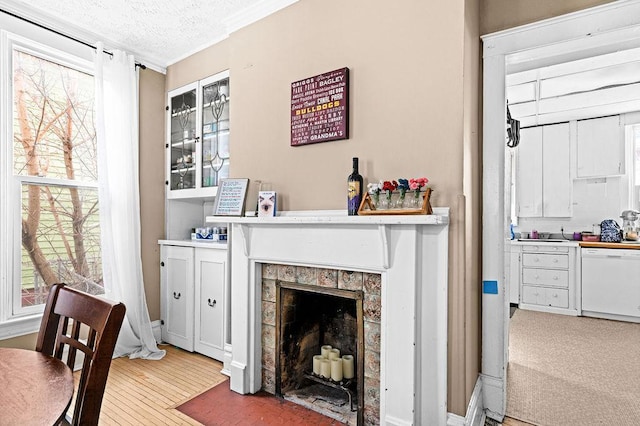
{"x":347,"y":366}
{"x":325,"y":368}
{"x":324,"y":350}
{"x":334,"y":353}
{"x":336,"y":369}
{"x":316,"y":364}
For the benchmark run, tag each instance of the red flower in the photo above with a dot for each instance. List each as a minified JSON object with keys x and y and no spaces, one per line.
{"x":389,"y":186}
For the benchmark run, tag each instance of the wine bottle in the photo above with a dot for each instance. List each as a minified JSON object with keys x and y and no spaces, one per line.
{"x":354,"y":190}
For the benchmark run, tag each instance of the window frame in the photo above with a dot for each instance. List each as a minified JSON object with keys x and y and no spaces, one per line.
{"x":17,"y":35}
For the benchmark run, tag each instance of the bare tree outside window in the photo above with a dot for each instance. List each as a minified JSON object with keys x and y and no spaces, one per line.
{"x":55,"y":161}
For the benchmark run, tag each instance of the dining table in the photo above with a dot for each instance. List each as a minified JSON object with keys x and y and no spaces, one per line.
{"x":35,"y":388}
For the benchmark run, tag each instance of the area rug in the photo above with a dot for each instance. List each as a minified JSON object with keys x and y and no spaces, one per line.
{"x":567,"y":370}
{"x":221,"y":406}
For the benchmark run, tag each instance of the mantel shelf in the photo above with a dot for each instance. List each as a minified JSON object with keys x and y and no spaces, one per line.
{"x":337,"y":217}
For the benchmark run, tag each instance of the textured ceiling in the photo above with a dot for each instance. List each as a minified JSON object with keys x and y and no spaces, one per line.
{"x":160,"y":32}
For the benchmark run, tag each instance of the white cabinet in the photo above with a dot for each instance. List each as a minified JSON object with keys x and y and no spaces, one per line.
{"x":193,"y":299}
{"x":198,"y":137}
{"x":600,"y":147}
{"x":548,"y":278}
{"x":543,"y":180}
{"x":177,"y":288}
{"x":211,"y":274}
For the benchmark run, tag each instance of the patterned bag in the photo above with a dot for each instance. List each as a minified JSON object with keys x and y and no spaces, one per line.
{"x":610,"y":231}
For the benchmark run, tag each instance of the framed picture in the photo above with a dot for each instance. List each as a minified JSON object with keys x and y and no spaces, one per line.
{"x":320,"y":108}
{"x":232,"y":194}
{"x":267,"y":203}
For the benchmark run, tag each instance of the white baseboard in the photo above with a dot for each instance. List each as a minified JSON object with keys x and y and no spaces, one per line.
{"x":157,"y":330}
{"x":475,"y":410}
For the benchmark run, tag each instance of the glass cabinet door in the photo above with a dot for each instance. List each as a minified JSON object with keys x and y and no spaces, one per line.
{"x":215,"y":132}
{"x":182,"y":145}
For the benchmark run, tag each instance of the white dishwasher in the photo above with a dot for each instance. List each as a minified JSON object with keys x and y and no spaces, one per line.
{"x":611,"y":283}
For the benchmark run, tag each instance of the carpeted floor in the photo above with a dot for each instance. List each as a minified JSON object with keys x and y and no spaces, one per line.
{"x":221,"y":406}
{"x":567,"y":370}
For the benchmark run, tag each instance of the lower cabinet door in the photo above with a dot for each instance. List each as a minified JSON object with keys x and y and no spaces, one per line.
{"x":176,"y":277}
{"x":211,"y":276}
{"x":558,"y":298}
{"x":533,"y":295}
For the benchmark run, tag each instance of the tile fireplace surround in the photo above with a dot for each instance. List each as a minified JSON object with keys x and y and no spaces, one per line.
{"x":410,"y":254}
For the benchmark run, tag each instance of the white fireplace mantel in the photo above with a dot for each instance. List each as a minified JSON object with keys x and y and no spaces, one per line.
{"x":410,"y":253}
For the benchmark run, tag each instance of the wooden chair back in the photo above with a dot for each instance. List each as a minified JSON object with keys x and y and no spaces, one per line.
{"x":69,"y":317}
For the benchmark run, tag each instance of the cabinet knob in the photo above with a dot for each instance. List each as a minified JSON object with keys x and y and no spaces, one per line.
{"x":537,"y":277}
{"x":161,"y":263}
{"x":555,"y":260}
{"x":555,"y":277}
{"x":536,"y":260}
{"x":211,"y":303}
{"x":554,"y":295}
{"x":176,"y":295}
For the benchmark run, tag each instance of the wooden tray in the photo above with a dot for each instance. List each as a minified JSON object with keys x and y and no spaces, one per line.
{"x":367,"y":207}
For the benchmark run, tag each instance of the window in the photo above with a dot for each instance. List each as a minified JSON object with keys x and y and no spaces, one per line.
{"x":52,"y":209}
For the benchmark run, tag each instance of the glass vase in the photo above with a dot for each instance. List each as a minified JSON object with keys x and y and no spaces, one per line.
{"x":416,"y":199}
{"x":386,"y":203}
{"x":400,"y":202}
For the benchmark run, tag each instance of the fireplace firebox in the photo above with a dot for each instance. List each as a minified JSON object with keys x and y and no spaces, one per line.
{"x":307,"y":318}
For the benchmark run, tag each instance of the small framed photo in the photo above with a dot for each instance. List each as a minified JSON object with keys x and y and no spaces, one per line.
{"x":267,"y":203}
{"x":231,"y":197}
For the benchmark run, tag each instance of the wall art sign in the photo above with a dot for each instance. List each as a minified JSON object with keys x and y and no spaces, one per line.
{"x":320,"y":108}
{"x":231,"y":197}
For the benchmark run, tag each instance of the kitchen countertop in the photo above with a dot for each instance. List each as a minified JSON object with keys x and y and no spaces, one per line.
{"x":622,"y":245}
{"x":543,"y":242}
{"x":220,"y":245}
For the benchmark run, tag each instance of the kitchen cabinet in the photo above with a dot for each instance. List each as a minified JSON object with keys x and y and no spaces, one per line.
{"x":600,"y":147}
{"x":193,"y":297}
{"x":548,"y":278}
{"x":543,"y":172}
{"x":198,"y":130}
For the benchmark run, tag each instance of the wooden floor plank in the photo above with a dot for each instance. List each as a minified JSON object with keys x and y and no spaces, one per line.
{"x":147,"y":392}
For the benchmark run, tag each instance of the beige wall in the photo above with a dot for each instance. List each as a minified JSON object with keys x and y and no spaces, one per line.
{"x":152,"y":177}
{"x":472,"y":184}
{"x":27,"y":341}
{"x":502,"y":14}
{"x":404,"y":122}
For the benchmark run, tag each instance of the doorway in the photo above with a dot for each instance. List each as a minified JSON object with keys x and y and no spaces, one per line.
{"x":584,"y":34}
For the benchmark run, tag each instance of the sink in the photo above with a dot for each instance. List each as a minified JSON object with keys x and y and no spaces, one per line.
{"x":544,"y":240}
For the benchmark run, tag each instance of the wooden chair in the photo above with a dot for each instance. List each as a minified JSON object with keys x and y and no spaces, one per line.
{"x":95,"y":319}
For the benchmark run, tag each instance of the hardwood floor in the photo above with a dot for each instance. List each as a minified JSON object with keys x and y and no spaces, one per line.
{"x":143,"y":392}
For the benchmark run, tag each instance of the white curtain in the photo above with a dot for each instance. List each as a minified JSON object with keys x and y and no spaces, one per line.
{"x":118,"y":189}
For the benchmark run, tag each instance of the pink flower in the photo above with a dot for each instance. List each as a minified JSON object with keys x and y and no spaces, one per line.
{"x":417,"y":183}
